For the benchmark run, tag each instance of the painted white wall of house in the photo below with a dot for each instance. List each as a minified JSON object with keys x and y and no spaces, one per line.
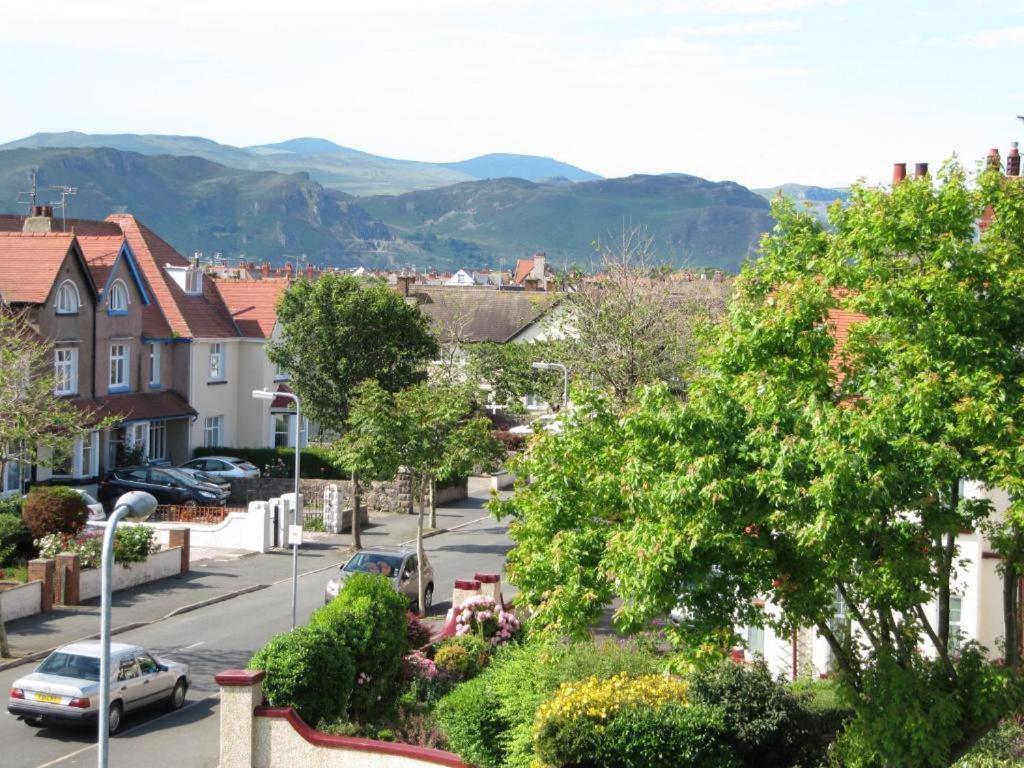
{"x":212,"y":399}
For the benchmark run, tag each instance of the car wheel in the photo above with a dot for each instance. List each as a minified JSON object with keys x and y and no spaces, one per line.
{"x":177,"y":699}
{"x":34,"y":722}
{"x":428,"y":598}
{"x":114,"y":719}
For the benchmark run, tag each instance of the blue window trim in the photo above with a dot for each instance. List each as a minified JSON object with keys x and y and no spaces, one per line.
{"x":119,"y":389}
{"x":117,"y":312}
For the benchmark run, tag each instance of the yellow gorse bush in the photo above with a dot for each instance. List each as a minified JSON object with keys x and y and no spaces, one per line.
{"x":599,"y":699}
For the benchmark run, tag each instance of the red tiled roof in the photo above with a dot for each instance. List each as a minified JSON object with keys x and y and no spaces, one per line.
{"x":523,"y":269}
{"x":30,"y":263}
{"x":14,"y":223}
{"x":136,"y":406}
{"x":203,"y":316}
{"x":253,"y":304}
{"x":100,"y":251}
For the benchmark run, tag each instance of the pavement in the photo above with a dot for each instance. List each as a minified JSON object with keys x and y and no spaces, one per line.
{"x":224,"y":636}
{"x":223,"y":576}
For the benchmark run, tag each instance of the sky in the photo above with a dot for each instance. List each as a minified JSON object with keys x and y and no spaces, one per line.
{"x":755,"y":91}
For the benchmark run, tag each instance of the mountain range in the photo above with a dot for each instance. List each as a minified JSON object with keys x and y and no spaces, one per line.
{"x":277,"y":201}
{"x":333,"y":166}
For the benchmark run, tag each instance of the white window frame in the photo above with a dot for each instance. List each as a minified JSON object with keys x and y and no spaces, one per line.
{"x":84,"y":458}
{"x":213,"y":431}
{"x":137,"y":435}
{"x":156,"y":446}
{"x":154,"y":364}
{"x":281,"y":374}
{"x":194,"y":281}
{"x":119,"y":365}
{"x":69,"y":376}
{"x":217,"y":360}
{"x":67,"y":293}
{"x":118,"y":291}
{"x":956,"y":609}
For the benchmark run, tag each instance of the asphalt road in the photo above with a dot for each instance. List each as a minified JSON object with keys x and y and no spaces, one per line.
{"x":213,"y":639}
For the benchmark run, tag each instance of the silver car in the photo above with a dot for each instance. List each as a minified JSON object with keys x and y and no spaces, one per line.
{"x":228,"y":467}
{"x":66,"y":686}
{"x":397,"y":563}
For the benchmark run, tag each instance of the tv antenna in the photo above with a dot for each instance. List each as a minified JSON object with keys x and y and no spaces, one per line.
{"x":65,"y":192}
{"x":31,"y":195}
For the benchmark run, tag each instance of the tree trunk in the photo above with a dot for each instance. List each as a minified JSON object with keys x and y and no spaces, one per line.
{"x":433,"y":505}
{"x":1010,"y":580}
{"x":5,"y":649}
{"x":357,"y":539}
{"x":420,"y":586}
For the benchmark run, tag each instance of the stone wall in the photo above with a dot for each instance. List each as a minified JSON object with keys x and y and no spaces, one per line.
{"x":377,"y":497}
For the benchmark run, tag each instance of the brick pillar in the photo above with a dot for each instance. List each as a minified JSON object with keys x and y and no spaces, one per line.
{"x":240,"y":693}
{"x":42,"y":570}
{"x":181,"y":537}
{"x":69,"y":570}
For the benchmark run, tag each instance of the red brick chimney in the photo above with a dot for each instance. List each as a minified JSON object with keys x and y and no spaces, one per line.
{"x":404,"y":282}
{"x":288,"y":270}
{"x":309,"y":271}
{"x":1013,"y":160}
{"x":993,"y":162}
{"x":265,"y":269}
{"x":920,"y":170}
{"x":530,"y":285}
{"x":899,"y":172}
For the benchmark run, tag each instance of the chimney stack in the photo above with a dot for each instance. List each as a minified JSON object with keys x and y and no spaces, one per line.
{"x":265,"y":269}
{"x":530,"y":284}
{"x":993,"y":161}
{"x":899,"y":172}
{"x":1013,"y":160}
{"x":309,"y":271}
{"x":404,"y":283}
{"x":41,"y":219}
{"x":920,"y":170}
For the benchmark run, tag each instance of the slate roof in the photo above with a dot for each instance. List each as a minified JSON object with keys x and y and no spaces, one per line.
{"x":480,"y":314}
{"x":174,"y":311}
{"x":136,"y":406}
{"x":30,"y":263}
{"x":253,"y":304}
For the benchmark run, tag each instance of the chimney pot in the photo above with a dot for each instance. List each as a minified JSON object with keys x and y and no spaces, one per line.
{"x":993,"y":161}
{"x":920,"y":170}
{"x":1013,"y":160}
{"x":899,"y":172}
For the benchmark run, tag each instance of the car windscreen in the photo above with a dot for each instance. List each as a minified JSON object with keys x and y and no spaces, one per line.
{"x":71,"y":665}
{"x":369,"y":562}
{"x":177,"y":474}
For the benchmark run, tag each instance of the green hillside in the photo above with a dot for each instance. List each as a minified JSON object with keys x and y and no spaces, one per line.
{"x":196,"y":204}
{"x":692,"y":221}
{"x":815,"y":199}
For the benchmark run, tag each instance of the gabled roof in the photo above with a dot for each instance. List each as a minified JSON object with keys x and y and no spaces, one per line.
{"x":253,"y":304}
{"x":204,"y":316}
{"x":30,"y":263}
{"x":523,"y":269}
{"x":480,"y":314}
{"x":101,"y":255}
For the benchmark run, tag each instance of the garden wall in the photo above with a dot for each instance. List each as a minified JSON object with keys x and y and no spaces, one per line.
{"x":160,"y":565}
{"x":378,"y":497}
{"x":21,"y":601}
{"x":252,"y":736}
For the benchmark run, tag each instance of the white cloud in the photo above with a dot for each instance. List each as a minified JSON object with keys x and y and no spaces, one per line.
{"x":1006,"y":37}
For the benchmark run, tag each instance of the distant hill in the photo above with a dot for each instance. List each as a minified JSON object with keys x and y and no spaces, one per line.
{"x":332,"y":165}
{"x":196,"y":204}
{"x":817,"y":199}
{"x":692,"y":221}
{"x":529,"y":167}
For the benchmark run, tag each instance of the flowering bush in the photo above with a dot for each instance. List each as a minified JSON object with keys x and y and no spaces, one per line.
{"x":88,"y":545}
{"x":416,"y":666}
{"x":417,"y":633}
{"x":481,"y":615}
{"x":462,"y":657}
{"x":599,"y":699}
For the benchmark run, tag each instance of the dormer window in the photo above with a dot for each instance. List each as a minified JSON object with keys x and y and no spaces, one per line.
{"x":67,"y":298}
{"x":118,"y":303}
{"x":194,"y":281}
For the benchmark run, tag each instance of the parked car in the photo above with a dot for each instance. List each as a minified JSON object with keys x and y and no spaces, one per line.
{"x":66,"y":686}
{"x":223,"y":466}
{"x":548,"y":422}
{"x":168,"y":485}
{"x":202,"y":477}
{"x":397,"y":563}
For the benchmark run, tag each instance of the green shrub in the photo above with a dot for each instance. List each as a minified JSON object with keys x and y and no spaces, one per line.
{"x":133,"y":544}
{"x":824,"y":712}
{"x":87,"y":544}
{"x":520,"y":678}
{"x":54,"y":509}
{"x":368,"y":617}
{"x":463,"y":657}
{"x":13,"y":536}
{"x":665,"y":736}
{"x":308,"y":670}
{"x":764,"y":718}
{"x":1002,"y":747}
{"x":314,"y":462}
{"x":471,"y":724}
{"x":11,"y":505}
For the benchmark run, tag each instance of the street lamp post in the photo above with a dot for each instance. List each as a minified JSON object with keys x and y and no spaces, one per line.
{"x":134,"y":505}
{"x":263,"y":394}
{"x":545,"y":366}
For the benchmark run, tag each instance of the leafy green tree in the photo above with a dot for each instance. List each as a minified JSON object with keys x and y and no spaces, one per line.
{"x":506,"y":368}
{"x":432,"y":431}
{"x":861,"y":374}
{"x":31,"y":418}
{"x":337,"y":331}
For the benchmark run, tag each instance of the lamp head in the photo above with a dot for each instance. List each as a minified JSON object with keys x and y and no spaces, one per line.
{"x":139,"y":503}
{"x":262,"y":394}
{"x":541,"y":366}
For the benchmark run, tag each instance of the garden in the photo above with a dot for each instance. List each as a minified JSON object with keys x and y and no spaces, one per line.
{"x":51,"y":520}
{"x":364,"y":666}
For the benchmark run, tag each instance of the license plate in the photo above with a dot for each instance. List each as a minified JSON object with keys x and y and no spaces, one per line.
{"x":47,"y":698}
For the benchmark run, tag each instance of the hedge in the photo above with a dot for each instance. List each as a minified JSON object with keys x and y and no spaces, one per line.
{"x":54,"y":509}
